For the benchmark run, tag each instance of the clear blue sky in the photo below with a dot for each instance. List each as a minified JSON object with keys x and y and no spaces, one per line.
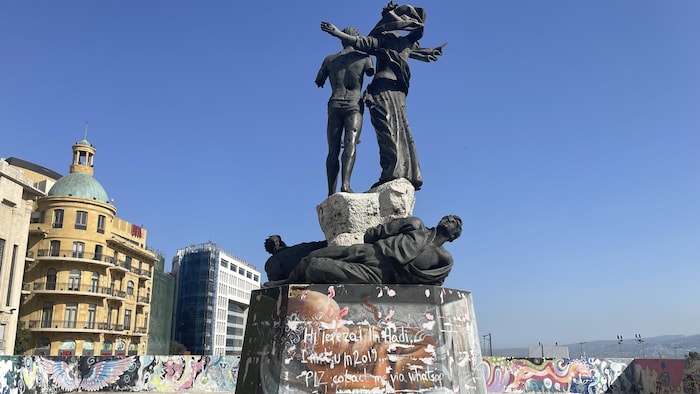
{"x":565,"y":133}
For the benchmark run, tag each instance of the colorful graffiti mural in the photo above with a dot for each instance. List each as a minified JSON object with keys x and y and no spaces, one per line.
{"x":505,"y":375}
{"x":591,"y":375}
{"x":54,"y":375}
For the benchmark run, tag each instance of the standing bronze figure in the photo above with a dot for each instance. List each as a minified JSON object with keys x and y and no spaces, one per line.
{"x":386,"y":94}
{"x":345,"y":70}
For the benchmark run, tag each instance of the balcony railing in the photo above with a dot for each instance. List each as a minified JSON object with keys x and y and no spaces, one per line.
{"x":123,"y":265}
{"x":64,"y":287}
{"x":99,"y":257}
{"x":75,"y":254}
{"x":75,"y":324}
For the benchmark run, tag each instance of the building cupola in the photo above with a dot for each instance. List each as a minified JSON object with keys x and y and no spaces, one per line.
{"x":83,"y":157}
{"x":80,"y":182}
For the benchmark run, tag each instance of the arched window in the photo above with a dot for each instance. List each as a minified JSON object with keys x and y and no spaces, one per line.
{"x":120,"y":348}
{"x":67,"y":347}
{"x":88,"y":347}
{"x":74,"y":280}
{"x":51,"y":279}
{"x":43,"y":347}
{"x":133,"y":349}
{"x":95,"y":282}
{"x":106,"y":348}
{"x":130,"y":287}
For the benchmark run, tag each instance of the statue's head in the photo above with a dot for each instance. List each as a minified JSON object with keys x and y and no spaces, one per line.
{"x":451,"y":225}
{"x":273,"y":243}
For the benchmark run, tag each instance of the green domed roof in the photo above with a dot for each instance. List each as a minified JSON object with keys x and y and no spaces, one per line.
{"x":84,"y":142}
{"x":79,"y":184}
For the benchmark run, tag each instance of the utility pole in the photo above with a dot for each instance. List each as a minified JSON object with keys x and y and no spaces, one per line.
{"x":490,"y":346}
{"x":639,"y":339}
{"x":619,"y":343}
{"x":488,"y":336}
{"x":582,"y":353}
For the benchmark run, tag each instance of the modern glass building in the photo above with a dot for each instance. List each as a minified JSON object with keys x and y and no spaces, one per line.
{"x":159,"y":330}
{"x":212,"y":294}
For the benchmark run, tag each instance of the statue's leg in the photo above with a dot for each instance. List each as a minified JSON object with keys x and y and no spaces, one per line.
{"x":334,"y":134}
{"x":381,"y":113}
{"x":353,"y":129}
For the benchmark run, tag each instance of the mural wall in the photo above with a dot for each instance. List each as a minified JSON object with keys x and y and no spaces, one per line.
{"x":54,"y":375}
{"x":591,"y":375}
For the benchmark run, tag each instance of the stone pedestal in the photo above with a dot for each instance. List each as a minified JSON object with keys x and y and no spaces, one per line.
{"x":361,"y":339}
{"x":344,"y":217}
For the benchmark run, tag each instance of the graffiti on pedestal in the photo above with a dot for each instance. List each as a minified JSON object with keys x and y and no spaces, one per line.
{"x":329,"y":339}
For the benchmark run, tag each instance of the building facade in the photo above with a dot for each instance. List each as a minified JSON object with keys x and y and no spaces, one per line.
{"x":88,"y":276}
{"x":212,"y":294}
{"x":162,"y":300}
{"x":17,"y":195}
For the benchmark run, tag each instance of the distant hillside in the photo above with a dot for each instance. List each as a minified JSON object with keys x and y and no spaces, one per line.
{"x":665,"y":346}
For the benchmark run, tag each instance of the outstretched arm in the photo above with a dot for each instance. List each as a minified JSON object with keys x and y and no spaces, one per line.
{"x":330,"y":28}
{"x":427,"y":54}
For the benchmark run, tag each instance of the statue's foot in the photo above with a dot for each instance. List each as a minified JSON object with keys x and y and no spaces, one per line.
{"x":346,"y":189}
{"x":275,"y":283}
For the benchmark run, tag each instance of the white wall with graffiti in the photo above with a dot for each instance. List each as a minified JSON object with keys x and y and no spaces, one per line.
{"x":55,"y":375}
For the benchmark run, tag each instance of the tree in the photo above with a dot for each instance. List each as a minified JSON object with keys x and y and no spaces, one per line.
{"x":177,"y":348}
{"x":693,"y":356}
{"x":21,"y":338}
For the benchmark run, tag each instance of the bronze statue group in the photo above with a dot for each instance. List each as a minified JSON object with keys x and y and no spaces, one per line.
{"x":404,"y":250}
{"x":385,"y":96}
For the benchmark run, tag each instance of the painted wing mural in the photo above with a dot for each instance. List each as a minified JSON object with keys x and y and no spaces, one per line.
{"x":63,"y":374}
{"x":100,"y":375}
{"x":105,"y":373}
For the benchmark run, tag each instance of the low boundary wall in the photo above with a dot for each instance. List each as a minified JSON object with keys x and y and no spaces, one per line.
{"x":40,"y":375}
{"x":591,"y":375}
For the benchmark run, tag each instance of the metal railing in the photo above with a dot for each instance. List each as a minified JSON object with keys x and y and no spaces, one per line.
{"x":140,"y":330}
{"x":76,"y":254}
{"x":76,"y":324}
{"x":78,"y":288}
{"x":101,"y":257}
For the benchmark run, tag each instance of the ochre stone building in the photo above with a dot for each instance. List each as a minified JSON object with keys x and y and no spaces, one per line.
{"x":88,"y":276}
